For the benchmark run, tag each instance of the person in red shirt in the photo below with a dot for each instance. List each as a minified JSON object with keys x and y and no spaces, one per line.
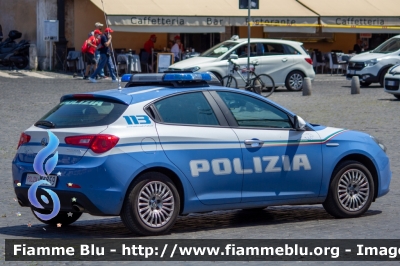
{"x":150,"y":43}
{"x":93,"y":43}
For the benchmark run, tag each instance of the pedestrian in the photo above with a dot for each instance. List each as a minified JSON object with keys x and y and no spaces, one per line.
{"x":359,"y":47}
{"x":1,"y":33}
{"x":149,"y":44}
{"x":176,"y":49}
{"x":105,"y":54}
{"x":93,"y":44}
{"x":98,"y":26}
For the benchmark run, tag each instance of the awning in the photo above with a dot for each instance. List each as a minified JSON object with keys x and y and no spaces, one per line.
{"x":200,"y":16}
{"x":357,"y":16}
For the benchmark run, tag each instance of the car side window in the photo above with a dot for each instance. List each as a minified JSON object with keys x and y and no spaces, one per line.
{"x":274,"y":49}
{"x":252,"y":112}
{"x":291,"y":50}
{"x":189,"y":108}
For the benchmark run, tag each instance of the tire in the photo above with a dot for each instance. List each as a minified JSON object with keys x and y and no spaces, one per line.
{"x":357,"y":184}
{"x":365,"y":84}
{"x":264,"y":82}
{"x":382,"y":77}
{"x":397,"y":96}
{"x":229,"y":81}
{"x":294,"y":81}
{"x":23,"y":64}
{"x":144,"y":201}
{"x":62,"y":218}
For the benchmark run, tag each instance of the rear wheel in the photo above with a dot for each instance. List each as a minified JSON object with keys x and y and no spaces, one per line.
{"x":294,"y":81}
{"x":151,"y":205}
{"x":229,"y":81}
{"x":264,"y":85}
{"x":23,"y":64}
{"x":63,"y":218}
{"x":351,"y":190}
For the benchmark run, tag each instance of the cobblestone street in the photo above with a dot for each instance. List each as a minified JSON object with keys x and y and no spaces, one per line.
{"x":27,"y":98}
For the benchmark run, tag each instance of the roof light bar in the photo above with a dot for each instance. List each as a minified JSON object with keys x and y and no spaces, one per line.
{"x":187,"y":76}
{"x":159,"y":77}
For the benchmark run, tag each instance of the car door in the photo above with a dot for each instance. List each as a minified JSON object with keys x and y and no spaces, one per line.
{"x":278,"y":162}
{"x":274,"y":61}
{"x":199,"y":142}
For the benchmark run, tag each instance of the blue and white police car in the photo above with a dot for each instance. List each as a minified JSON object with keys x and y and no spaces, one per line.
{"x":174,"y":143}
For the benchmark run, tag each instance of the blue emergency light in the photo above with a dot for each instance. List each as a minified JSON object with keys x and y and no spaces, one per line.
{"x":166,"y":77}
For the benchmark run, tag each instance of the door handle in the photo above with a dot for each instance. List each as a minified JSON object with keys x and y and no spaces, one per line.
{"x":284,"y":59}
{"x":254,"y":142}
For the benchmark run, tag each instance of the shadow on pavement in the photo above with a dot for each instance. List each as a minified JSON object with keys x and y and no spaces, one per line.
{"x":114,"y":228}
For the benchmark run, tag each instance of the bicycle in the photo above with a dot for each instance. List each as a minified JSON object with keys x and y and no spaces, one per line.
{"x":256,"y":83}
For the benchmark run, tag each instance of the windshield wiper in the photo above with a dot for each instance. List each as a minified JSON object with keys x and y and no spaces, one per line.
{"x":45,"y":123}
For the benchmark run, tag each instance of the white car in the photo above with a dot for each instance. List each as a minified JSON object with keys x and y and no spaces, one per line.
{"x":372,"y":66}
{"x":392,"y":81}
{"x":287,"y":62}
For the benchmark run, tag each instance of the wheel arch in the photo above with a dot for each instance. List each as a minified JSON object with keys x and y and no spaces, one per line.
{"x":383,"y":70}
{"x":367,"y":162}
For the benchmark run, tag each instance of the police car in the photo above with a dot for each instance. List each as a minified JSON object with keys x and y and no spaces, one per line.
{"x":174,"y":143}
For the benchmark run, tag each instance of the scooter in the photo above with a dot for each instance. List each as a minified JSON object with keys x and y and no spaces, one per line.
{"x":18,"y":56}
{"x":9,"y":44}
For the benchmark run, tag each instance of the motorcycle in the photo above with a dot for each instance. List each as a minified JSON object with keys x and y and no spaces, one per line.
{"x":13,"y":54}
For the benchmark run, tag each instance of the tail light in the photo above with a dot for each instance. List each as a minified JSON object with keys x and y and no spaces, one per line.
{"x":309,"y":60}
{"x":24,"y":138}
{"x":97,"y":143}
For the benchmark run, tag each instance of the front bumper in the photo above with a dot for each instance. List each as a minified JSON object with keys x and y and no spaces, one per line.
{"x":367,"y":77}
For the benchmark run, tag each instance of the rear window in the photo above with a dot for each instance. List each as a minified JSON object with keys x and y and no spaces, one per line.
{"x":82,"y":113}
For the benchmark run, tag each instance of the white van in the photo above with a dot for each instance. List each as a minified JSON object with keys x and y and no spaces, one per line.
{"x":287,"y":62}
{"x":372,"y":66}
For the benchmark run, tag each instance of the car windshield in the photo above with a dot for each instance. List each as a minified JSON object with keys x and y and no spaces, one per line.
{"x":389,"y":46}
{"x":219,"y":49}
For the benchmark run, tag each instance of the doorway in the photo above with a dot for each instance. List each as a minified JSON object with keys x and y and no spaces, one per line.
{"x":200,"y":42}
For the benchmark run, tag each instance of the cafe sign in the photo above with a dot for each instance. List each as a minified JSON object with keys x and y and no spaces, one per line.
{"x":172,"y":21}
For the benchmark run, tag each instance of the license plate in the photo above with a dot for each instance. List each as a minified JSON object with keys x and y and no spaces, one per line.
{"x":390,"y":83}
{"x":352,"y":72}
{"x":32,"y":178}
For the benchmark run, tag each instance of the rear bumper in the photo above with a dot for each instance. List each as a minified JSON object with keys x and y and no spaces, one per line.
{"x":102,"y":186}
{"x":70,"y":201}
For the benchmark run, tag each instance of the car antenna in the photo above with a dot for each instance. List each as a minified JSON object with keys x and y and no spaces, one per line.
{"x":112,"y":50}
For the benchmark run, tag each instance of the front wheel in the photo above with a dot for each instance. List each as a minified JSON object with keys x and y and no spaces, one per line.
{"x":351,"y":190}
{"x":229,"y":81}
{"x":397,"y":96}
{"x":262,"y":83}
{"x":151,"y":205}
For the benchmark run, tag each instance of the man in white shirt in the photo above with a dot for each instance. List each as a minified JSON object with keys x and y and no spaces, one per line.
{"x":176,"y":49}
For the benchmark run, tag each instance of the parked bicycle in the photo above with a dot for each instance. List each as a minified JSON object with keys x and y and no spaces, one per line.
{"x":261,"y":84}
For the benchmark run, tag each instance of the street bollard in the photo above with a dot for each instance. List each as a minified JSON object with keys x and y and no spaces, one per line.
{"x":307,"y":87}
{"x":130,"y":59}
{"x":355,"y":85}
{"x":33,"y":58}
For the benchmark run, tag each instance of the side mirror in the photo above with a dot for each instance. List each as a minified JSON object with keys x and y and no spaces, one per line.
{"x":299,"y":123}
{"x":233,"y":56}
